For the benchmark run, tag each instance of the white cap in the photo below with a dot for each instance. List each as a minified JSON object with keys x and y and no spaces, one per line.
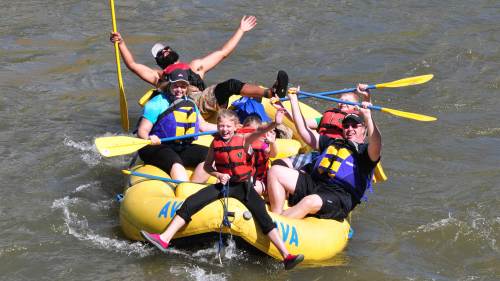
{"x":156,"y":48}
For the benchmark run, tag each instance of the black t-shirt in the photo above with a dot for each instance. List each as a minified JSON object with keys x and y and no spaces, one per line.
{"x":365,"y":164}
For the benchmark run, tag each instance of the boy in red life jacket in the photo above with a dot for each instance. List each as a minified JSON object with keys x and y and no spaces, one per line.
{"x":229,"y":161}
{"x":262,"y":150}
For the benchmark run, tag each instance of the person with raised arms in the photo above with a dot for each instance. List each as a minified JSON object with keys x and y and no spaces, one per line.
{"x":330,"y":124}
{"x":209,"y":99}
{"x":340,"y":175}
{"x":170,"y":114}
{"x":230,"y":161}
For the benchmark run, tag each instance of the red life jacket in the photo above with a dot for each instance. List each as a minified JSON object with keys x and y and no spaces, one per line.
{"x":261,"y":159}
{"x":193,"y":78}
{"x":331,"y":123}
{"x":231,"y":158}
{"x":260,"y":156}
{"x":172,"y":67}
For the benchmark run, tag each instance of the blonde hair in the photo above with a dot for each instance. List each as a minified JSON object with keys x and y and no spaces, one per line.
{"x":228,"y":114}
{"x":351,"y":94}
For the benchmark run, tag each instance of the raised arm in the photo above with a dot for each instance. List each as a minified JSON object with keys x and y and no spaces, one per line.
{"x":309,"y":136}
{"x":249,"y":139}
{"x":144,"y":72}
{"x":203,"y":65}
{"x":373,"y":134}
{"x":310,"y":122}
{"x":271,"y":140}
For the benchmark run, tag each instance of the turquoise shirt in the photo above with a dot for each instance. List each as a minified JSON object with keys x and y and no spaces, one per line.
{"x":156,"y":106}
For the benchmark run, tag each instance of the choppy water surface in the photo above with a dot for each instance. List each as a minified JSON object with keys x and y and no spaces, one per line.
{"x":437,"y":218}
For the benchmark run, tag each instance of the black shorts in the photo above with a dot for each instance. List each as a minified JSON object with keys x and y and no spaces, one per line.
{"x":337,"y":202}
{"x":164,"y":156}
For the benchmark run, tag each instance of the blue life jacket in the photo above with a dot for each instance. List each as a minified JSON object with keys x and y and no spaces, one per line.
{"x":246,"y":106}
{"x":337,"y":164}
{"x":177,"y":120}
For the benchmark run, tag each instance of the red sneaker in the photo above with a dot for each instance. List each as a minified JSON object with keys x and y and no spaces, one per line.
{"x":155,"y":240}
{"x":291,"y":261}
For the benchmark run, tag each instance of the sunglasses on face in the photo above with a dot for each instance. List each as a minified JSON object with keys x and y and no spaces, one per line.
{"x":353,"y":125}
{"x":167,"y":49}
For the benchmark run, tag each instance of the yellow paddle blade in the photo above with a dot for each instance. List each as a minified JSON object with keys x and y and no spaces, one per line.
{"x":409,"y":115}
{"x":119,"y":145}
{"x":379,"y":174}
{"x":406,"y":81}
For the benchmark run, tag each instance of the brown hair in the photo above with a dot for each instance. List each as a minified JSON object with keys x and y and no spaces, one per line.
{"x":251,"y":119}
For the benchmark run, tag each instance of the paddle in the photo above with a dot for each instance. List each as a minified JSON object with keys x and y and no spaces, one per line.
{"x":395,"y":112}
{"x":410,"y":81}
{"x":121,"y":145}
{"x":123,"y":100}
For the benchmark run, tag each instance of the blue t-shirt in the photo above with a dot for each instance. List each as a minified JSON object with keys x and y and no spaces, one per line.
{"x":157,"y":105}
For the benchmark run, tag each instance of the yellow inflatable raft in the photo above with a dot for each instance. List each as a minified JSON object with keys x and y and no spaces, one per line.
{"x":151,"y":204}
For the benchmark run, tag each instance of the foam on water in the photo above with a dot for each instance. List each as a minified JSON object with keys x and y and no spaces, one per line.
{"x":90,"y":154}
{"x":77,"y":225}
{"x":473,"y":227}
{"x":197,"y":273}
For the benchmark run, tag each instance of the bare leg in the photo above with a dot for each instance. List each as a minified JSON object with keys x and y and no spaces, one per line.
{"x":310,"y":204}
{"x":275,"y":238}
{"x":254,"y":91}
{"x":178,"y":172}
{"x":172,"y":228}
{"x":199,"y":174}
{"x":280,"y":180}
{"x":288,"y":162}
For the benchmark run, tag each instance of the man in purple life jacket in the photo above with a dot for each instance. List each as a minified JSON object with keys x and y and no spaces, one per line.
{"x":337,"y":180}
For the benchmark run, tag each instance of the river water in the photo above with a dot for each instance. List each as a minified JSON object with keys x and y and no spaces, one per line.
{"x":437,"y":218}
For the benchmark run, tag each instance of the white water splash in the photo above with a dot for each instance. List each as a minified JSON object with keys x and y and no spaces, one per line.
{"x":197,"y":273}
{"x":90,"y":154}
{"x":86,"y":186}
{"x":10,"y":250}
{"x":433,"y":226}
{"x":79,"y":228}
{"x":469,"y":278}
{"x":475,"y":226}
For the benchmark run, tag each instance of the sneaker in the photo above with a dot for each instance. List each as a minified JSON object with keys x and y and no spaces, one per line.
{"x":291,"y":261}
{"x":280,"y":87}
{"x":155,"y":240}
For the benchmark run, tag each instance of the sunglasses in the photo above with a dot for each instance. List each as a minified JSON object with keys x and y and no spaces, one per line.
{"x":167,"y":49}
{"x":353,"y":125}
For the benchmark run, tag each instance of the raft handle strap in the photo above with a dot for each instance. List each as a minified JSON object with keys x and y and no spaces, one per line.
{"x":225,"y":218}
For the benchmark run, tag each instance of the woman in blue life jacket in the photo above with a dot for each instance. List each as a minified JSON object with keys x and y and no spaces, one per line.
{"x":340,"y":175}
{"x":171,"y":114}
